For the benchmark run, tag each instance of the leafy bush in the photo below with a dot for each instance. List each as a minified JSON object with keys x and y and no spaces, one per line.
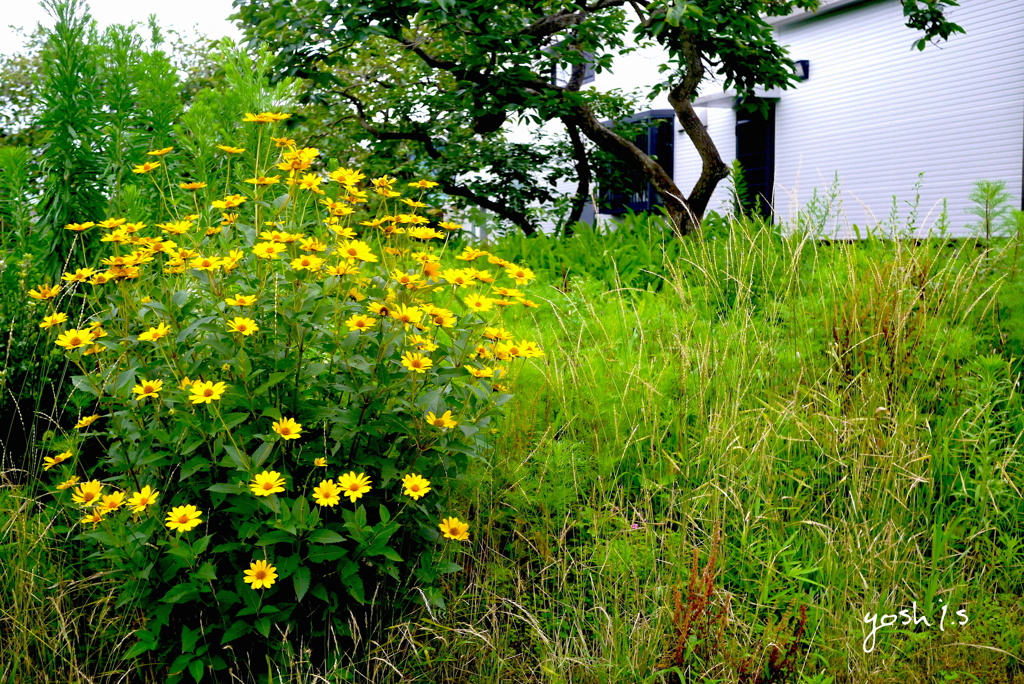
{"x":245,"y":367}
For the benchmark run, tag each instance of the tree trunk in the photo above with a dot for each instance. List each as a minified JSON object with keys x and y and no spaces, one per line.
{"x":684,"y":220}
{"x":582,"y":172}
{"x":713,"y":169}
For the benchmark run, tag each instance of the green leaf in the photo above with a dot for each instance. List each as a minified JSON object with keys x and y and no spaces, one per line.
{"x":233,"y":419}
{"x":206,"y":572}
{"x":236,"y":458}
{"x":447,"y":567}
{"x":274,"y":537}
{"x":263,"y":627}
{"x":196,"y":669}
{"x":300,"y":580}
{"x":223,"y":488}
{"x":325,"y":537}
{"x":188,"y":332}
{"x":189,"y":638}
{"x":179,"y":664}
{"x":139,"y":648}
{"x":199,"y":545}
{"x":181,"y":593}
{"x":323,"y":554}
{"x":237,"y":629}
{"x":262,"y":454}
{"x":391,"y":554}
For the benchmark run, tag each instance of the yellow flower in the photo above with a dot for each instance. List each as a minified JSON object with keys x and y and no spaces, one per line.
{"x":447,"y":225}
{"x":443,"y":421}
{"x":87,"y":493}
{"x":458,"y":276}
{"x":79,"y":276}
{"x":479,"y":303}
{"x":95,"y":517}
{"x":497,"y":334}
{"x":519,"y":274}
{"x":79,"y":227}
{"x":344,"y":269}
{"x":441,"y":317}
{"x":206,"y":392}
{"x":231,"y":150}
{"x":455,"y":529}
{"x":415,"y":486}
{"x":146,"y":168}
{"x":356,"y":249}
{"x":424,"y":233}
{"x":471,"y":253}
{"x":307,"y":262}
{"x":194,"y":185}
{"x":241,"y":300}
{"x":44,"y":292}
{"x":266,"y":483}
{"x":327,"y":493}
{"x":287,"y":428}
{"x":354,"y":485}
{"x":110,"y":503}
{"x":268,"y":250}
{"x":264,"y":180}
{"x":202,"y":263}
{"x":260,"y":573}
{"x":154,"y":334}
{"x":74,"y":338}
{"x":423,"y":344}
{"x":68,"y":483}
{"x":140,"y":500}
{"x":311,"y":181}
{"x":161,"y":152}
{"x":148,"y":388}
{"x":229,"y":202}
{"x":482,"y":372}
{"x":87,"y":421}
{"x":346,"y":177}
{"x":416,"y":362}
{"x":245,"y":326}
{"x":423,"y":184}
{"x":312,"y":245}
{"x":54,"y":319}
{"x":183,"y":518}
{"x":265,"y":117}
{"x":410,"y":315}
{"x":50,"y":462}
{"x":283,"y":142}
{"x":320,"y":462}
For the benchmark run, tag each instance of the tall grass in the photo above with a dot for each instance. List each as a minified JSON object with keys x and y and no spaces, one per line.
{"x":847,"y":415}
{"x":845,"y":420}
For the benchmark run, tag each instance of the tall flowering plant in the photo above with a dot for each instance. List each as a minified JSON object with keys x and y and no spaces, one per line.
{"x":285,"y":376}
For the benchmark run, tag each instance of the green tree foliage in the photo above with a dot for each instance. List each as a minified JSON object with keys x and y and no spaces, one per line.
{"x":482,"y":62}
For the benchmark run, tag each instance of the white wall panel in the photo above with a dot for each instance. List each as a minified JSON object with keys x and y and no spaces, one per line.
{"x":878,"y":113}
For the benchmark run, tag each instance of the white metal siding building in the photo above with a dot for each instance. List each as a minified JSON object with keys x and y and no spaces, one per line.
{"x":876,"y":112}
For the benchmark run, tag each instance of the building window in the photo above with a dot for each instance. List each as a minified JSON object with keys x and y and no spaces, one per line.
{"x":755,"y":151}
{"x":624,"y":188}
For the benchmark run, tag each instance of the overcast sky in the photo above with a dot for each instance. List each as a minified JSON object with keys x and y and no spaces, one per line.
{"x":209,"y":16}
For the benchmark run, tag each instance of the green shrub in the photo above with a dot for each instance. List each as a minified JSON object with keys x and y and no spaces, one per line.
{"x":244,"y":368}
